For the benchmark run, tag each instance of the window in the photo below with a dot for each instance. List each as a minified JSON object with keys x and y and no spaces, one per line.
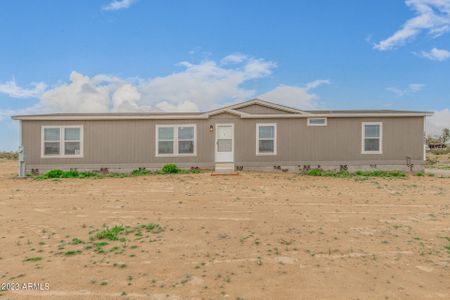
{"x":62,"y":141}
{"x":175,"y":140}
{"x":72,"y":141}
{"x":317,"y":121}
{"x":186,"y":140}
{"x":166,"y":137}
{"x":266,"y":139}
{"x":372,"y":138}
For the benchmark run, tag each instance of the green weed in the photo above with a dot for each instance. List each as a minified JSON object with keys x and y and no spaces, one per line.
{"x":72,"y":252}
{"x":37,"y":258}
{"x":166,"y":169}
{"x":76,"y":241}
{"x":110,"y":233}
{"x":170,"y":169}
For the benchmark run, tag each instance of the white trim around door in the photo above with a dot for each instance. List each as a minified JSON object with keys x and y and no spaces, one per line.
{"x":227,"y":151}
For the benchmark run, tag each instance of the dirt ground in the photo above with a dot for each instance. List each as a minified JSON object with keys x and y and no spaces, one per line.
{"x":252,"y":236}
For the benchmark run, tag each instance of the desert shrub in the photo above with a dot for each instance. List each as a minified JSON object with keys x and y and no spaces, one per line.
{"x":170,"y":169}
{"x":76,"y":241}
{"x":420,"y":173}
{"x":37,"y":258}
{"x":154,"y":228}
{"x":8,"y":155}
{"x":431,"y":160}
{"x":440,"y":151}
{"x":55,"y":173}
{"x":448,"y":246}
{"x":72,"y":252}
{"x":110,"y":233}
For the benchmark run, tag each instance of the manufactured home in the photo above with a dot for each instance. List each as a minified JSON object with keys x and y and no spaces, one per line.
{"x":253,"y":135}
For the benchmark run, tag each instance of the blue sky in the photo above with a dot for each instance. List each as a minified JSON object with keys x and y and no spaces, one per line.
{"x":155,"y":55}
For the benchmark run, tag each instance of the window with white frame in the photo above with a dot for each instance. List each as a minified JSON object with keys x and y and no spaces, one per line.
{"x":62,"y":141}
{"x":317,"y":121}
{"x":372,"y":138}
{"x":175,"y":140}
{"x":266,"y":139}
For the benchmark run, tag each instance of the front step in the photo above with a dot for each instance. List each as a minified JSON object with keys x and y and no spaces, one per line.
{"x":224,"y":167}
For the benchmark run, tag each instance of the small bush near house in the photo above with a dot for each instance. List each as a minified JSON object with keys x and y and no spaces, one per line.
{"x":346,"y":174}
{"x":380,"y":173}
{"x":87,"y":174}
{"x":71,"y":174}
{"x":167,"y":169}
{"x":55,"y":173}
{"x":140,"y":172}
{"x":319,"y":172}
{"x":170,"y":169}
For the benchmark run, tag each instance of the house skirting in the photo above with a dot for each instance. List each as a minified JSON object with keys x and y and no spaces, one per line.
{"x":291,"y":166}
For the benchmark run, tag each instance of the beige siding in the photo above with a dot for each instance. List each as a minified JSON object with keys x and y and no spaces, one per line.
{"x":260,"y":109}
{"x":133,"y":141}
{"x":339,"y":141}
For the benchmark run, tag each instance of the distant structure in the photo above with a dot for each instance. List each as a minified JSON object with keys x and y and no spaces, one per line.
{"x":436,"y":145}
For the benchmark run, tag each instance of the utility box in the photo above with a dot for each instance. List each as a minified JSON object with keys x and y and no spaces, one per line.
{"x":21,"y":154}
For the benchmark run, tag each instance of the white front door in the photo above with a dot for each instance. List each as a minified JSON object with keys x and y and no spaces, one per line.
{"x":224,"y":143}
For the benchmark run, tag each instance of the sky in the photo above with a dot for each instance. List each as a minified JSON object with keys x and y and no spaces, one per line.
{"x":178,"y":55}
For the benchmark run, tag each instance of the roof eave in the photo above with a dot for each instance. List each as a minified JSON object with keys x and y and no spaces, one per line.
{"x":346,"y":115}
{"x":208,"y":115}
{"x":106,"y":117}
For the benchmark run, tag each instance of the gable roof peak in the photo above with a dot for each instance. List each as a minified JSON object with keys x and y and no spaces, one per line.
{"x":256,"y":101}
{"x":269,"y":104}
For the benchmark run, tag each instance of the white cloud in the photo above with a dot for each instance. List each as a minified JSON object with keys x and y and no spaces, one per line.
{"x":118,"y":4}
{"x":416,"y":87}
{"x":5,"y":113}
{"x":198,"y":86}
{"x":316,"y":83}
{"x":13,"y":90}
{"x":233,"y":58}
{"x":410,"y":89}
{"x":126,"y":98}
{"x":206,"y":84}
{"x":435,"y":54}
{"x":82,"y":94}
{"x":178,"y":107}
{"x":437,"y":122}
{"x":299,"y":97}
{"x":432,"y":16}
